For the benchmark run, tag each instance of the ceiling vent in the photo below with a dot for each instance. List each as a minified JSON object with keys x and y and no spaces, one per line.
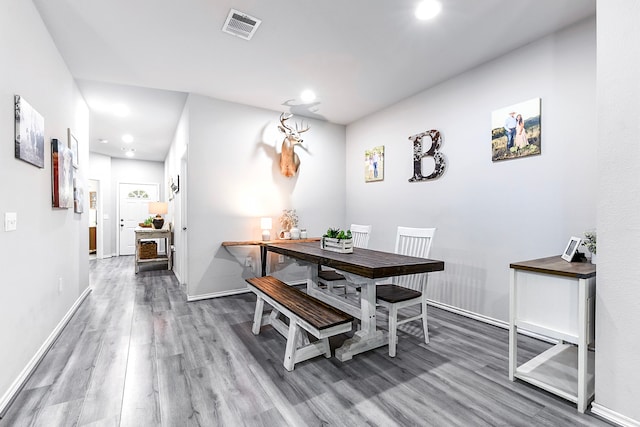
{"x":241,"y":25}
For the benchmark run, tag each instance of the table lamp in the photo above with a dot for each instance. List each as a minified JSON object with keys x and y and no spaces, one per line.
{"x":158,"y":208}
{"x":266,"y":225}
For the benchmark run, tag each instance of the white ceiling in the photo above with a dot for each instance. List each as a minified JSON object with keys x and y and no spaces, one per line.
{"x":358,"y":55}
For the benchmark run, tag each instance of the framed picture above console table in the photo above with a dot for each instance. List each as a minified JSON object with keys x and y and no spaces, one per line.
{"x":556,"y":299}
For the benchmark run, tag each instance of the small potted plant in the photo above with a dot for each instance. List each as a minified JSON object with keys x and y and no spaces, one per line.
{"x":589,"y":242}
{"x":337,"y":240}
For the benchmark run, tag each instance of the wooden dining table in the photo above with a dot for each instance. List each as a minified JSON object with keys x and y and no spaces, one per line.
{"x":363,"y":267}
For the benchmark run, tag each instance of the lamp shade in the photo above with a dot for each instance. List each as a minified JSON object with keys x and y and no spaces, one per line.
{"x":266,"y":224}
{"x":158,"y":208}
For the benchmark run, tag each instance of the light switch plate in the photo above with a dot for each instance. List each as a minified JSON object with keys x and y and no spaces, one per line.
{"x":10,"y":221}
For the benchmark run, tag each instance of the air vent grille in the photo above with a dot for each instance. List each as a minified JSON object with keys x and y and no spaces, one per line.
{"x":241,"y":25}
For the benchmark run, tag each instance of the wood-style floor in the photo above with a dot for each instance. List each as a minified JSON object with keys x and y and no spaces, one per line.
{"x":137,"y":354}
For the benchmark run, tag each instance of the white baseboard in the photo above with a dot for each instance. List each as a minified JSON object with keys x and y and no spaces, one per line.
{"x":486,"y":319}
{"x":22,"y":379}
{"x":613,"y":416}
{"x":233,"y":292}
{"x":216,"y":295}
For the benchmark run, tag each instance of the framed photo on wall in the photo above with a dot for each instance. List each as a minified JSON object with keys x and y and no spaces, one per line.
{"x":61,"y":175}
{"x":29,"y":133}
{"x":374,"y":164}
{"x":73,"y":146}
{"x":515,"y":131}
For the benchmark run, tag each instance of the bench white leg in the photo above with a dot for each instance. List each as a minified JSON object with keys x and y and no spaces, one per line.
{"x":257,"y":316}
{"x":326,"y":348}
{"x":292,"y":343}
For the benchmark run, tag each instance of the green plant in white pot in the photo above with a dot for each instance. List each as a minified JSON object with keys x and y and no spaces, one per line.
{"x":589,"y":242}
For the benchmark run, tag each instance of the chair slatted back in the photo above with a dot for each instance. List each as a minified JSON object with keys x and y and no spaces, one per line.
{"x":414,"y":242}
{"x":360,"y":235}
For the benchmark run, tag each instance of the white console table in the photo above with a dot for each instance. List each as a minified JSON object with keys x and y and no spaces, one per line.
{"x":556,"y":299}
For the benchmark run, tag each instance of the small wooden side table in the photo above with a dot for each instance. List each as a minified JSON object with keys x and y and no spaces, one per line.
{"x":152,"y":233}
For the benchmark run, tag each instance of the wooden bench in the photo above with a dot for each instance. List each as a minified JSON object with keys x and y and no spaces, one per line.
{"x":304,"y":312}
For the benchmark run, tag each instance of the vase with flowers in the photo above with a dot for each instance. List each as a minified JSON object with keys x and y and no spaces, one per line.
{"x":589,"y":242}
{"x":289,"y":224}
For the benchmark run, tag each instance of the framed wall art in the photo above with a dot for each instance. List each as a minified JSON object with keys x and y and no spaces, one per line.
{"x":61,"y":175}
{"x":374,"y":164}
{"x":78,"y":194}
{"x":515,"y":131}
{"x":29,"y":133}
{"x":73,"y":146}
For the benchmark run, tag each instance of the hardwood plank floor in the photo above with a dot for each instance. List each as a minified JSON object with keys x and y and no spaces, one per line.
{"x":136,"y":353}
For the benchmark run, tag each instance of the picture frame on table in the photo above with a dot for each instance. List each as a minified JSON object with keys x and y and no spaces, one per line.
{"x":571,"y":248}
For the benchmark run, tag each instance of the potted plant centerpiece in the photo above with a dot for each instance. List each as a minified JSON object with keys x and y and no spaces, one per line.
{"x":589,"y":242}
{"x":337,"y":240}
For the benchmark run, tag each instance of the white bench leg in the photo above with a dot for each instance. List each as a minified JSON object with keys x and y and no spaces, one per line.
{"x":257,"y":316}
{"x":292,"y":343}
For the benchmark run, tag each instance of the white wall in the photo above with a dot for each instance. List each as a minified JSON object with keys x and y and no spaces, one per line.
{"x":132,"y":171}
{"x":234,"y":179}
{"x":487,"y":214}
{"x":100,"y":170}
{"x":173,"y":168}
{"x":618,"y":294}
{"x":49,"y":244}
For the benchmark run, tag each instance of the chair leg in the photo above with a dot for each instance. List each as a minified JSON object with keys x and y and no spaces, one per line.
{"x":424,"y":322}
{"x":393,"y":329}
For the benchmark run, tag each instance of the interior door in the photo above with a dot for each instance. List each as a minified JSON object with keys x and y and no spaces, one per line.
{"x":134,"y":208}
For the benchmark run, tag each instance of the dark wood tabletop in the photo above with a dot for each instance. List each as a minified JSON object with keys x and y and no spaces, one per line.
{"x":557,"y":266}
{"x":363,"y":262}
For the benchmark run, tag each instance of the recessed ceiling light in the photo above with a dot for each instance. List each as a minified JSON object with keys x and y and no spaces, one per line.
{"x":129,"y":152}
{"x":428,"y":9}
{"x":127,"y":138}
{"x":307,"y":96}
{"x":103,"y":141}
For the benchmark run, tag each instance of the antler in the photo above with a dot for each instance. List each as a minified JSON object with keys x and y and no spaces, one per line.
{"x":302,"y":130}
{"x":284,"y":117}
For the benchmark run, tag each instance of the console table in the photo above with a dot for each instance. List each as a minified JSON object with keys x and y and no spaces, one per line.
{"x":152,"y":233}
{"x":263,"y":247}
{"x":556,"y":299}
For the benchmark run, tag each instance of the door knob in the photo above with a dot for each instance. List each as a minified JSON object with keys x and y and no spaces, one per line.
{"x":184,"y":228}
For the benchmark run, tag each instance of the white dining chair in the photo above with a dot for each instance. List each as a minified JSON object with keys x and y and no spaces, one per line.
{"x":409,"y":290}
{"x":331,"y":278}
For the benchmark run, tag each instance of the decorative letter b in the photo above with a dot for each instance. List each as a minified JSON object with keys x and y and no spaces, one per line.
{"x":434,"y":152}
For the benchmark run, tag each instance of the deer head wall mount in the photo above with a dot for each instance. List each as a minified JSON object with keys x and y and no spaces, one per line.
{"x":289,"y":160}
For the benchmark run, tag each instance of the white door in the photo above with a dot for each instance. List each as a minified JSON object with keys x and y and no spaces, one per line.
{"x":134,"y":208}
{"x":183,"y":219}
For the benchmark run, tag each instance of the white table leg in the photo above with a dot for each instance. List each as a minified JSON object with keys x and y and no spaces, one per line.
{"x":582,"y":345}
{"x":513,"y":329}
{"x":367,"y":338}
